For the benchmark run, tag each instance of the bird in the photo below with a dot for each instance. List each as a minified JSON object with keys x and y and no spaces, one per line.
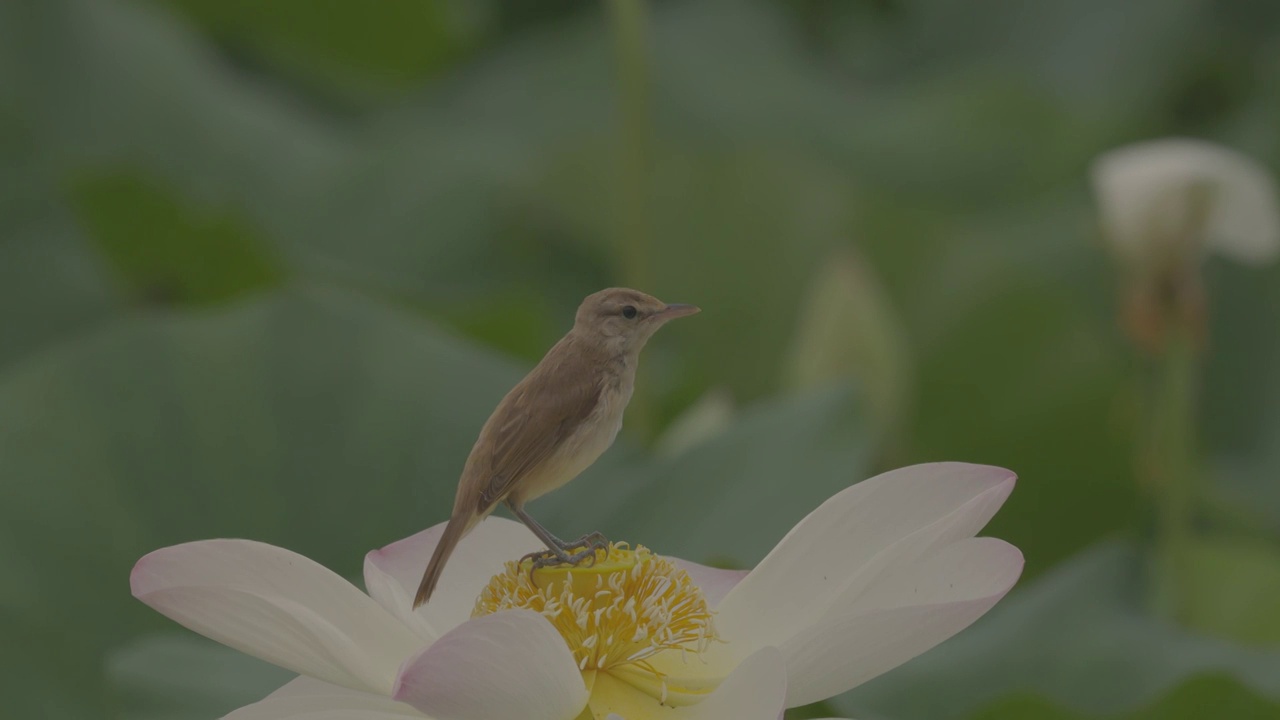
{"x":555,"y":423}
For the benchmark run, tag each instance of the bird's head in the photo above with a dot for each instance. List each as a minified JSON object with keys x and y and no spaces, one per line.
{"x":622,"y":320}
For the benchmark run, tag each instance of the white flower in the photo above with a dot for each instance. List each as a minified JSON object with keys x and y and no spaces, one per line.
{"x":1179,"y":195}
{"x":873,"y":577}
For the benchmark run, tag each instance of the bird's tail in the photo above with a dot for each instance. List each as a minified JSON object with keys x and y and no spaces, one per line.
{"x":453,"y":532}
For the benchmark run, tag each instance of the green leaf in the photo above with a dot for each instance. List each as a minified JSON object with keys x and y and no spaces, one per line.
{"x":1049,"y":45}
{"x":434,"y":202}
{"x":1234,"y":590}
{"x":413,"y":204}
{"x":343,"y":43}
{"x":437,"y":201}
{"x":1199,"y":697}
{"x":814,"y":710}
{"x":1077,"y":637}
{"x":1240,"y":410}
{"x":52,"y":284}
{"x":169,"y":252}
{"x":184,"y":677}
{"x":309,"y":419}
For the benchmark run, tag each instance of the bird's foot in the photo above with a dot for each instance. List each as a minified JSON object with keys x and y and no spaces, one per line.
{"x":578,"y":559}
{"x":538,"y":555}
{"x":552,"y":558}
{"x":594,"y":541}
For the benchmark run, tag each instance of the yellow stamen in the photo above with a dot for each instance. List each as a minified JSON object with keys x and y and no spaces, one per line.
{"x":624,"y":608}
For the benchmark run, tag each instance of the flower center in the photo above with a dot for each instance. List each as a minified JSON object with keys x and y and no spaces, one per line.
{"x":626,"y":607}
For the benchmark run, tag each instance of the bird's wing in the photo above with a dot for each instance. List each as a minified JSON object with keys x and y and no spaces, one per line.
{"x":530,"y":424}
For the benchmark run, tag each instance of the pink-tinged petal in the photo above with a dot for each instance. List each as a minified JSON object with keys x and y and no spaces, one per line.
{"x":278,"y":606}
{"x":512,"y":664}
{"x":849,"y":541}
{"x":309,"y":699}
{"x":715,"y":583}
{"x":908,"y":613}
{"x":392,"y":573}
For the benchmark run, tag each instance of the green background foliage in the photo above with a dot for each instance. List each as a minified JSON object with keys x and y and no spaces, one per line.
{"x":266,"y":267}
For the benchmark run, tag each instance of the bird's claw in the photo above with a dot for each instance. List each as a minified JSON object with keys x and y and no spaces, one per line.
{"x":589,"y":544}
{"x":536,"y":556}
{"x":594,"y":541}
{"x":578,"y":559}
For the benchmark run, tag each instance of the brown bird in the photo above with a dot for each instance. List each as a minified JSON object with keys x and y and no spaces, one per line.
{"x":555,"y":423}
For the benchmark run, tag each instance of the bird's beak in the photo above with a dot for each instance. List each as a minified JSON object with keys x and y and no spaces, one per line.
{"x":676,"y":310}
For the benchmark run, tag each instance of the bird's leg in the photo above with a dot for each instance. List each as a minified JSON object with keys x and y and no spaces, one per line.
{"x":557,"y":551}
{"x":543,"y":534}
{"x":589,"y":543}
{"x":548,"y":559}
{"x":555,"y":546}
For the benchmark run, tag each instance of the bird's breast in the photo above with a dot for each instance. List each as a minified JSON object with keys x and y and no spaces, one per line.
{"x":586,"y":444}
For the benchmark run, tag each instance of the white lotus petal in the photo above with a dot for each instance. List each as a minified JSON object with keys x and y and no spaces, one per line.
{"x":755,"y":690}
{"x":687,"y":675}
{"x":278,"y":606}
{"x":905,"y":614}
{"x":714,"y":583}
{"x":309,"y":699}
{"x":392,"y":573}
{"x":512,"y":664}
{"x":303,"y":686}
{"x":1143,"y":193}
{"x":846,"y":543}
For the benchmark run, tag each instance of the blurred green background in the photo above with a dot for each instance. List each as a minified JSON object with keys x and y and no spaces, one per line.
{"x":265,"y":268}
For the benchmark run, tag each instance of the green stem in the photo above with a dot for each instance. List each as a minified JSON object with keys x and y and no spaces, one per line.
{"x":1171,"y":452}
{"x":635,"y":139}
{"x":631,"y":232}
{"x":1172,"y":463}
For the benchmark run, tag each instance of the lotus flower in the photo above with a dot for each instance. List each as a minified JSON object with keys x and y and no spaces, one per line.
{"x":1177,"y":196}
{"x":876,"y":575}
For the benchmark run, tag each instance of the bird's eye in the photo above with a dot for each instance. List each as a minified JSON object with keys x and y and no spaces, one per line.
{"x":629,"y":311}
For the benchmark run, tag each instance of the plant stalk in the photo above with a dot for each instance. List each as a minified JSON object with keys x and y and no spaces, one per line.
{"x":1173,"y":472}
{"x":633,"y":180}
